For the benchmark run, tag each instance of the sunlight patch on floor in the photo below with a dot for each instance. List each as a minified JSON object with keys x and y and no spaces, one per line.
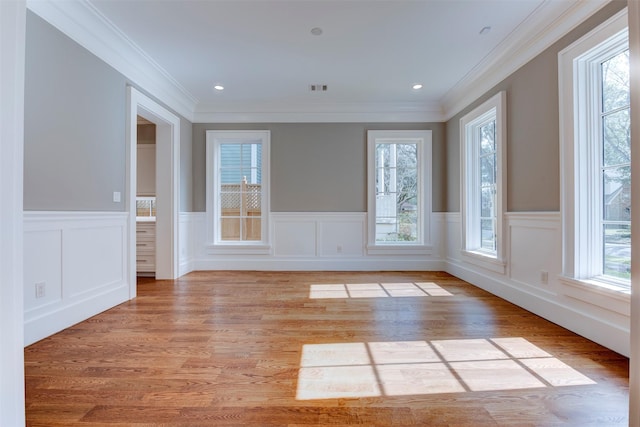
{"x":376,"y":290}
{"x":342,"y":370}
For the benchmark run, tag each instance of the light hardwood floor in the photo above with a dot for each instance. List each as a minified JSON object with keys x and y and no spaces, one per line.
{"x":321,"y":348}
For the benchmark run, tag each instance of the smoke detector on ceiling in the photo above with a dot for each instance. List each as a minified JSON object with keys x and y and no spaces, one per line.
{"x":318,"y":88}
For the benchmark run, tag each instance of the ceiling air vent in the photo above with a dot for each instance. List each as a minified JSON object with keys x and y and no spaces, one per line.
{"x":318,"y":88}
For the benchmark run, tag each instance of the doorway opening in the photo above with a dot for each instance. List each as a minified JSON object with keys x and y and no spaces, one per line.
{"x":167,"y":141}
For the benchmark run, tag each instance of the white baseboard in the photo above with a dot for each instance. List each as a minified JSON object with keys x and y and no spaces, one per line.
{"x":64,"y":315}
{"x":326,"y":264}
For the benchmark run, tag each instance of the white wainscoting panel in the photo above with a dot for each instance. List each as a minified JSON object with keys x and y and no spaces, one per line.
{"x":43,"y":264}
{"x":341,"y":237}
{"x":294,"y":236}
{"x":191,"y":239}
{"x":534,"y":243}
{"x":438,"y":234}
{"x":92,"y":258}
{"x":534,"y":246}
{"x":312,"y":241}
{"x":79,"y":258}
{"x":452,"y":242}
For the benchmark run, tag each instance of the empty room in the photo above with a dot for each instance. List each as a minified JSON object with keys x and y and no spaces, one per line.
{"x":319,"y":212}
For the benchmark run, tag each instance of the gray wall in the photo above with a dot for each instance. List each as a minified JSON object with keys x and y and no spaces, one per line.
{"x":74,"y":125}
{"x":533,"y":142}
{"x":318,"y":167}
{"x":75,"y":119}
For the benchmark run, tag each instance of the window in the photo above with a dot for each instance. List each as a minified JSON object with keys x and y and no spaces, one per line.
{"x":238,"y":187}
{"x":145,"y":208}
{"x":399,"y":189}
{"x":615,"y":167}
{"x":596,"y":166}
{"x":482,"y":170}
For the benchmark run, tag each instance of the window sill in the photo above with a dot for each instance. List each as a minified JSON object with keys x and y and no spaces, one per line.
{"x":485,"y":261}
{"x":598,"y":286}
{"x":236,"y":249}
{"x":597,"y":293}
{"x":392,"y":249}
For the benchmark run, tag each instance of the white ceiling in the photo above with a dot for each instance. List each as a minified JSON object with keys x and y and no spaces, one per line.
{"x":369,"y":54}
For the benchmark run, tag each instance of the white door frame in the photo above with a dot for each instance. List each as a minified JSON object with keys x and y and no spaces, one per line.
{"x":634,"y":359}
{"x":167,"y":173}
{"x":12,"y":46}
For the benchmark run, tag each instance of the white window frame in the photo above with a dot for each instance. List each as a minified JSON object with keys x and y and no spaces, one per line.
{"x":423,"y":139}
{"x":495,"y":107}
{"x":214,"y":138}
{"x":579,"y":98}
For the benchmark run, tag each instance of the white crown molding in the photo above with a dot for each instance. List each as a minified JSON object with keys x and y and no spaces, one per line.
{"x":321,"y":113}
{"x":546,"y":25}
{"x":84,"y":24}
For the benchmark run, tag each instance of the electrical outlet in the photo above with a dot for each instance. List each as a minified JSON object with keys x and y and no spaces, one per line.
{"x":40,"y":289}
{"x":544,"y":277}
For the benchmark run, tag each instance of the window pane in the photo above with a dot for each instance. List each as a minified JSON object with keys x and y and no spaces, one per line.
{"x":617,"y":194}
{"x":240,"y":162}
{"x":487,"y":201}
{"x":382,"y":185}
{"x":230,"y":228}
{"x":487,"y":187}
{"x":488,"y":235}
{"x":406,"y":178}
{"x":407,"y":192}
{"x":488,"y":138}
{"x":407,"y":156}
{"x":615,"y":82}
{"x":230,"y":156}
{"x":383,"y":155}
{"x":408,"y":227}
{"x":230,"y":201}
{"x":256,"y":165}
{"x":487,"y":169}
{"x":396,"y":192}
{"x":252,"y":228}
{"x":617,"y":250}
{"x":616,"y":128}
{"x":380,"y":182}
{"x":616,"y":170}
{"x":251,"y":165}
{"x":253,"y":199}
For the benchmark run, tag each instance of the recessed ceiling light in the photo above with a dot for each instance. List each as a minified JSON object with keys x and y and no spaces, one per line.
{"x":316,"y":31}
{"x":417,"y":86}
{"x":218,"y":87}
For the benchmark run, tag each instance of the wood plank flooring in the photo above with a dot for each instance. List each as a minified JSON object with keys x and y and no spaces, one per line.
{"x":317,"y":349}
